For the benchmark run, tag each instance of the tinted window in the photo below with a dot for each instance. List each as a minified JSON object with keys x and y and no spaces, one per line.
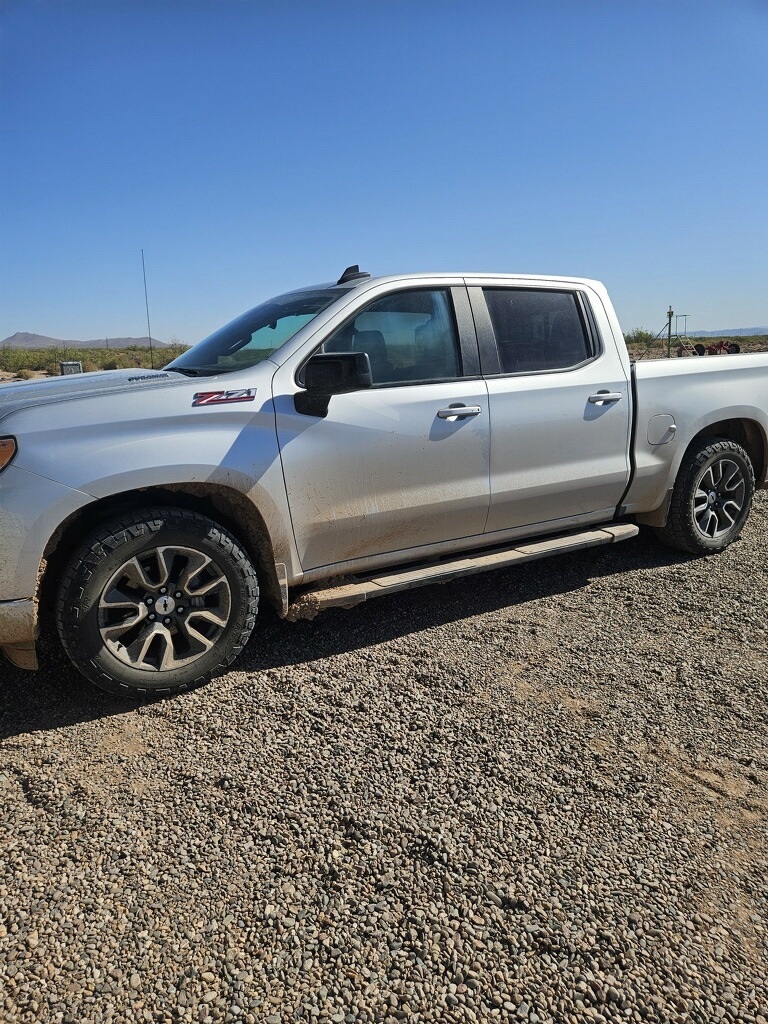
{"x":255,"y":335}
{"x":536,"y":330}
{"x":409,"y":336}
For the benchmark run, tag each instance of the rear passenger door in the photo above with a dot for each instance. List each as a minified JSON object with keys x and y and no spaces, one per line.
{"x":559,"y":452}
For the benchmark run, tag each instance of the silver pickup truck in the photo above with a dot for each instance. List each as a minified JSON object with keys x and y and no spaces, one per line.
{"x":345,"y":441}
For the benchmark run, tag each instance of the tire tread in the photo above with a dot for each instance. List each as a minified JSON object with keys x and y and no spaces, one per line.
{"x":108,"y":538}
{"x":680,"y":531}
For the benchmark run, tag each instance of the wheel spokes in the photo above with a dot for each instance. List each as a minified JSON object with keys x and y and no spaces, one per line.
{"x":197,"y":637}
{"x":207,"y":616}
{"x":115,"y":630}
{"x":719,"y":497}
{"x":709,"y":523}
{"x":151,"y":649}
{"x":700,"y":502}
{"x":137,"y":574}
{"x":164,"y":608}
{"x":730,"y":511}
{"x":198,"y":578}
{"x":734,"y":483}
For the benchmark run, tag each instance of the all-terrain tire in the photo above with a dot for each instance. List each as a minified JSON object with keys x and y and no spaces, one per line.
{"x":711,"y":498}
{"x":156,"y":602}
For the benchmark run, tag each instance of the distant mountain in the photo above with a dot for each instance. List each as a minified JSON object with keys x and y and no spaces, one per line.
{"x":733,"y":332}
{"x":23,"y":340}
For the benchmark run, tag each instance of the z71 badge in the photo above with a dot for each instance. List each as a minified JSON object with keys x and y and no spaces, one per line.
{"x":224,"y":397}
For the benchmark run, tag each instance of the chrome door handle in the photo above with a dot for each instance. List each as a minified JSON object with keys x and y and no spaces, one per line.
{"x":459,"y":412}
{"x":605,"y":396}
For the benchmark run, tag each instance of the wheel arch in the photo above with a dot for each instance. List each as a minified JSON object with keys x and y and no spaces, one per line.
{"x":226,"y":506}
{"x":705,"y":517}
{"x":745,"y":432}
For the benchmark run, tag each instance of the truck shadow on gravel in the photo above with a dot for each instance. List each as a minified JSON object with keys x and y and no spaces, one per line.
{"x":383,"y":619}
{"x":57,"y":696}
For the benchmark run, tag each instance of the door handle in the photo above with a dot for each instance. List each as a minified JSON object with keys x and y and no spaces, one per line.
{"x":602,"y":397}
{"x":458,"y":412}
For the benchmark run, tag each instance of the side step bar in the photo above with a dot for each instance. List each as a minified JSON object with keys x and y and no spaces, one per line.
{"x":347,"y":594}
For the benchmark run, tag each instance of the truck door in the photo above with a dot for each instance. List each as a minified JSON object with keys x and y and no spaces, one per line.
{"x":559,"y":405}
{"x":400,"y":465}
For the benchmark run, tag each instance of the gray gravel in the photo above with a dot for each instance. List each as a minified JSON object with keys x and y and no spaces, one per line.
{"x":541,"y":796}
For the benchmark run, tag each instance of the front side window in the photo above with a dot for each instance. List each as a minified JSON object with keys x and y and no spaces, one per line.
{"x":410,"y":337}
{"x":255,"y":335}
{"x":537,"y":329}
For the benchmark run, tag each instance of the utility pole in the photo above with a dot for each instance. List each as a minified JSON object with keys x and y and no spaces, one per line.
{"x":670,"y":314}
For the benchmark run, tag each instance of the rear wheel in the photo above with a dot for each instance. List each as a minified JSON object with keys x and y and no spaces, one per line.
{"x":711,"y":498}
{"x":156,"y":602}
{"x":734,"y":348}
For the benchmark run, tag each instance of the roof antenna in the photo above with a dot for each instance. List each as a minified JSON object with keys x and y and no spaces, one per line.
{"x":146,"y":303}
{"x":352,"y":273}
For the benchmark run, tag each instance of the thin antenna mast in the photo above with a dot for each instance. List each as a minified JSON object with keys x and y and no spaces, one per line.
{"x":146,"y":303}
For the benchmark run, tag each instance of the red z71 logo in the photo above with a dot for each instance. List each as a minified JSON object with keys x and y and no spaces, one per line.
{"x":224,"y":397}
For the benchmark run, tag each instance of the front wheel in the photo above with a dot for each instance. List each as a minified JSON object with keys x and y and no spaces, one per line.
{"x":156,"y":601}
{"x":711,"y":499}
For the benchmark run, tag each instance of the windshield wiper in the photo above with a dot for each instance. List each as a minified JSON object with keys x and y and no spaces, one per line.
{"x":204,"y":371}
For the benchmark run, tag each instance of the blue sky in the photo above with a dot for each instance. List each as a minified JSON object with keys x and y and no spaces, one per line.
{"x":250,"y":148}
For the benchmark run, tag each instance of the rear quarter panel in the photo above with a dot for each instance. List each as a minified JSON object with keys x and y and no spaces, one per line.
{"x":696,"y":393}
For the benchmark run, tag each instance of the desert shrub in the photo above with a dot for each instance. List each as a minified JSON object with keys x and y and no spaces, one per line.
{"x":14,"y":359}
{"x":26,"y":374}
{"x":48,"y":364}
{"x":47,"y":359}
{"x":169,"y":355}
{"x":639,"y":337}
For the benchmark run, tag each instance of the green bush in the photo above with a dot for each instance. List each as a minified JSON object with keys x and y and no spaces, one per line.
{"x":640,"y":338}
{"x":13,"y":360}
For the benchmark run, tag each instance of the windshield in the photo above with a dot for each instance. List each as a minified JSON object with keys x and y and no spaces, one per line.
{"x":255,"y":335}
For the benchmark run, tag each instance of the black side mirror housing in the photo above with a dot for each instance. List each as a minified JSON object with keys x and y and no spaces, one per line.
{"x":331,"y":373}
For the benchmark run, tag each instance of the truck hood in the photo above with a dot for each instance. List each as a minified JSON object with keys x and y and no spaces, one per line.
{"x":49,"y":391}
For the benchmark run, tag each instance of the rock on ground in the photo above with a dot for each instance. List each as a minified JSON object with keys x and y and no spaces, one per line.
{"x":541,"y":796}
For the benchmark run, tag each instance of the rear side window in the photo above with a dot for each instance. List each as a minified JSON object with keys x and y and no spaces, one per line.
{"x":537,"y":329}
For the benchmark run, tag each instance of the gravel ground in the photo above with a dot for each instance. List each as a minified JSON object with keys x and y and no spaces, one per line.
{"x":539,"y":795}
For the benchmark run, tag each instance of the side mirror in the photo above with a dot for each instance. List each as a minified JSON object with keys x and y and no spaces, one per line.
{"x":331,"y":373}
